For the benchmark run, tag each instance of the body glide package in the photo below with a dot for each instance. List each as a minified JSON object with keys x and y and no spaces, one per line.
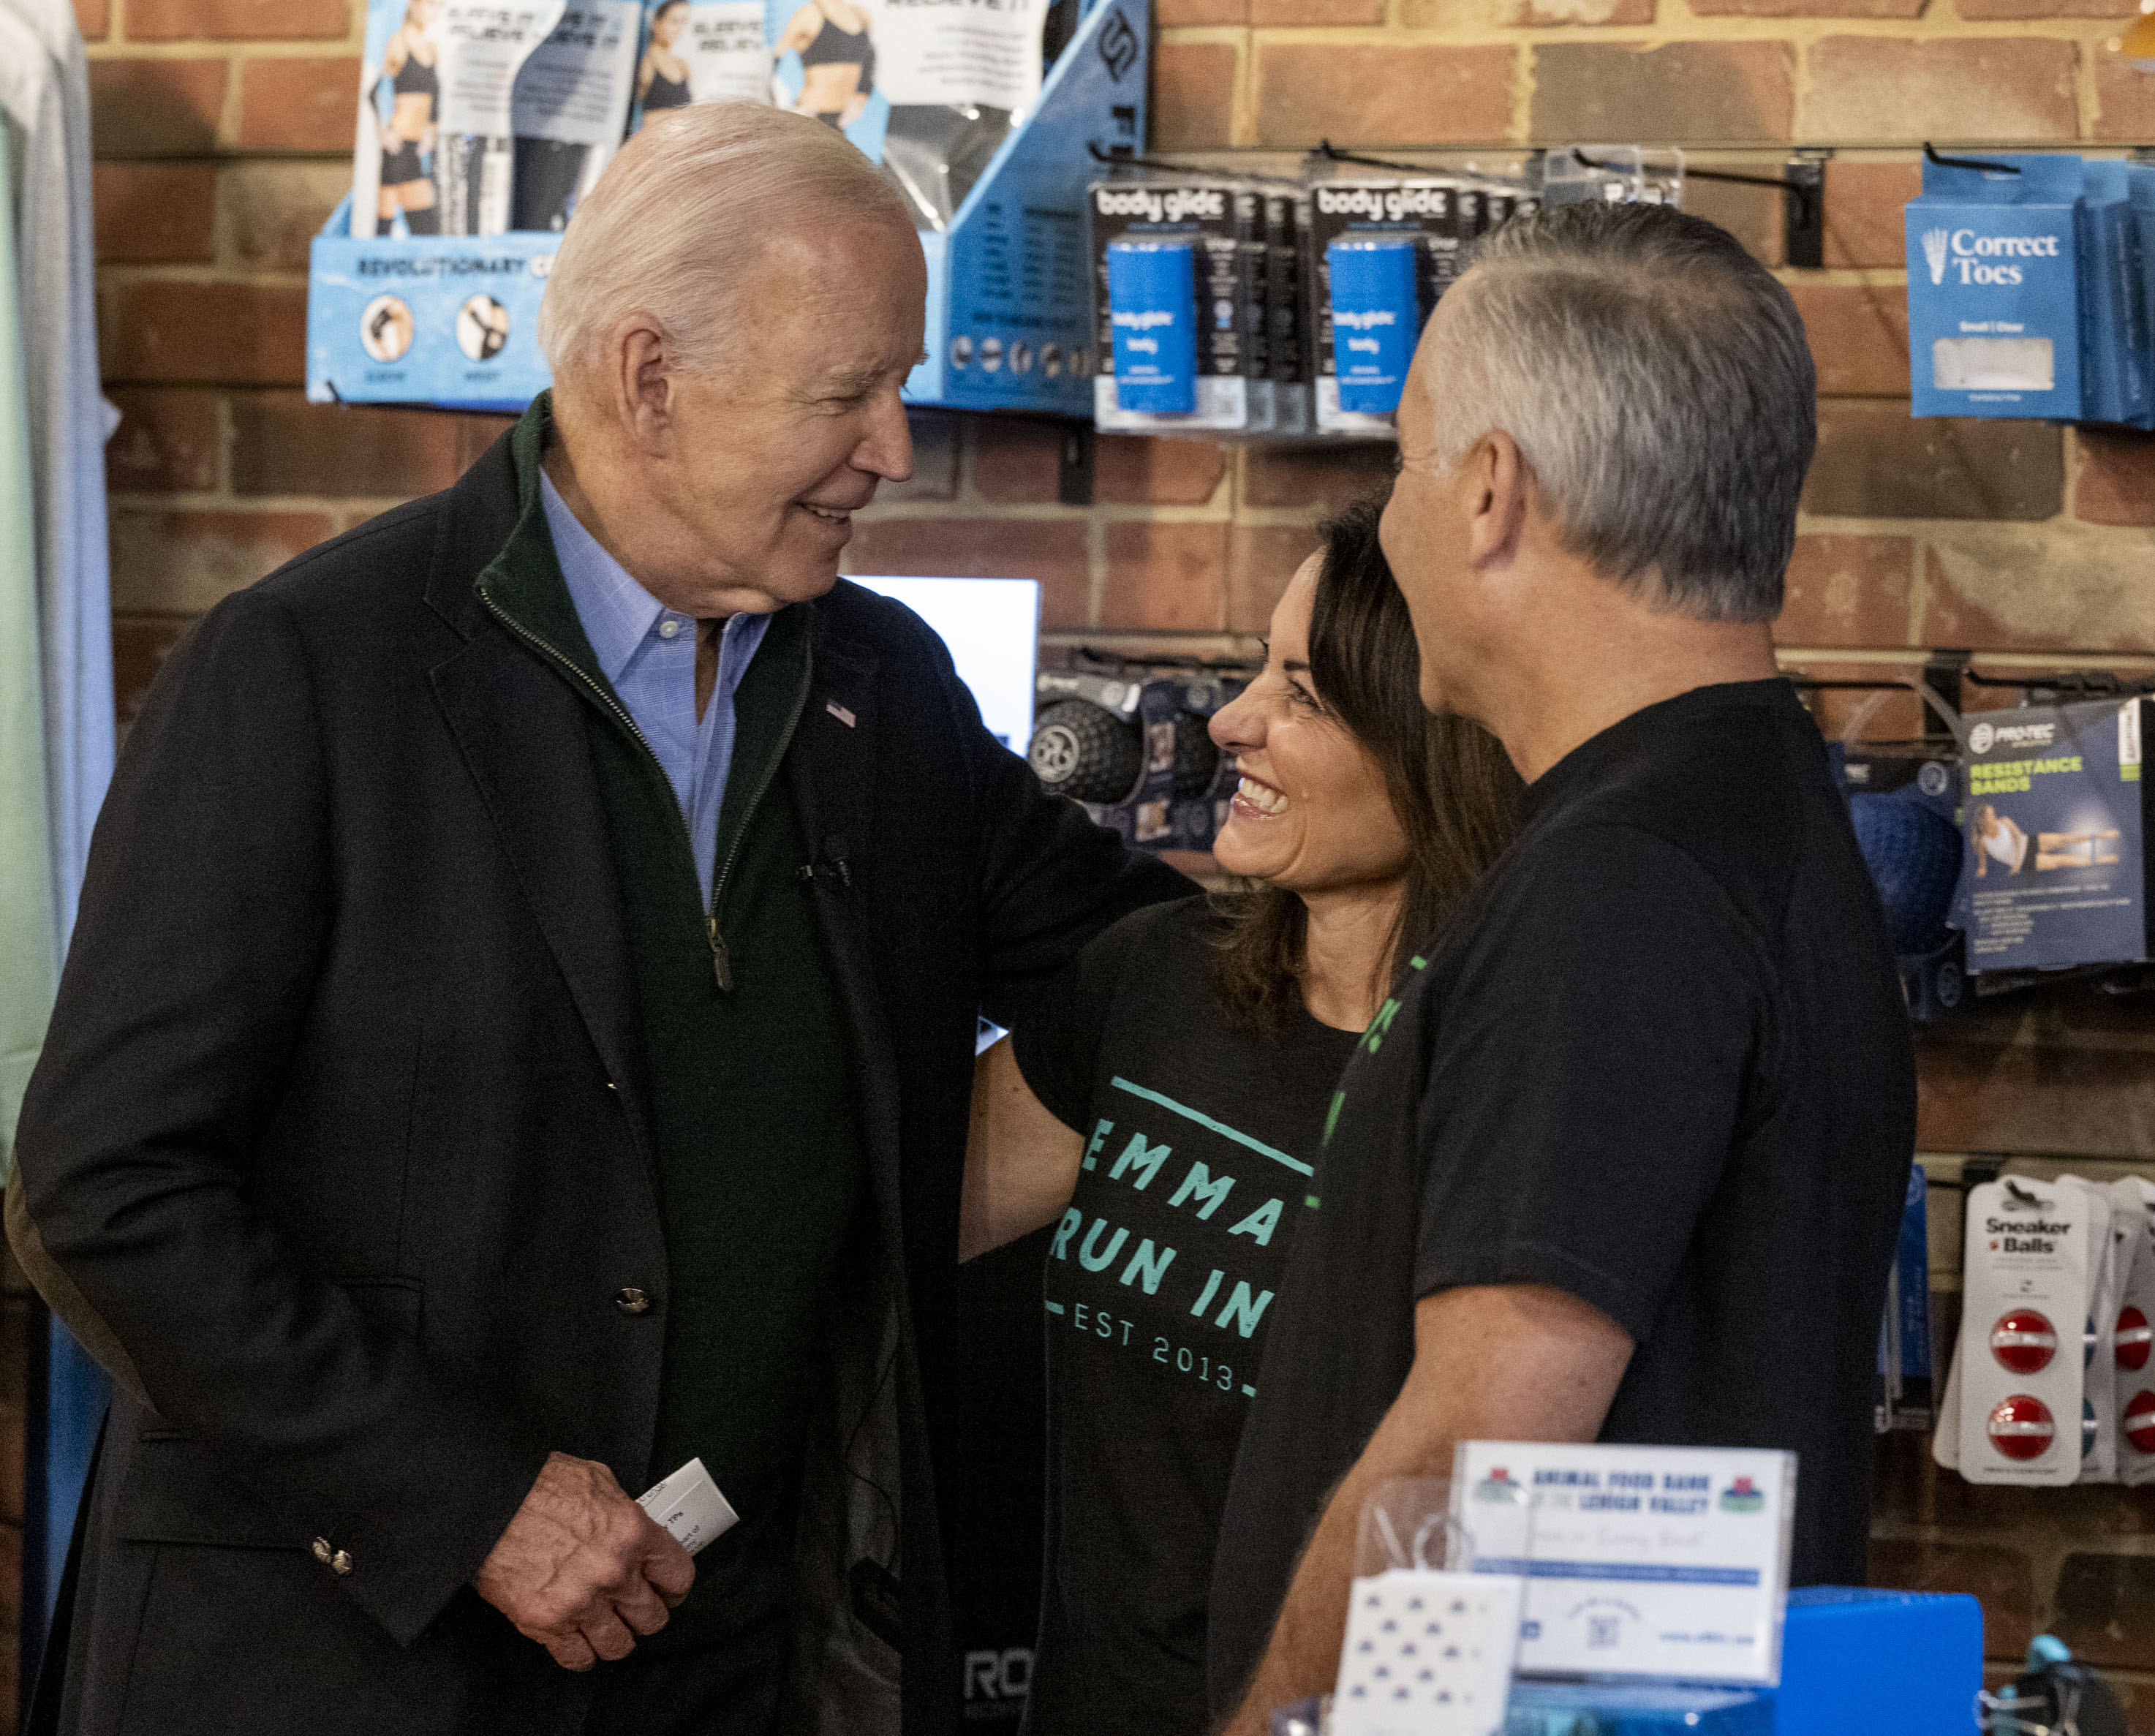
{"x":2055,"y":813}
{"x":1183,"y":276}
{"x":1380,"y":252}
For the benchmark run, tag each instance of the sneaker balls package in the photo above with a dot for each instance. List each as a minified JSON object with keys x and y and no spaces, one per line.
{"x":2132,"y":1205}
{"x":569,"y":110}
{"x":1995,"y":290}
{"x":435,"y":150}
{"x":2099,"y":1338}
{"x":2055,"y":837}
{"x":1139,"y":229}
{"x":2021,"y":1367}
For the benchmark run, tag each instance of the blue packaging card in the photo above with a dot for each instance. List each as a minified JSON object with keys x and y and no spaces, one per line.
{"x":1374,"y":321}
{"x":1152,"y":304}
{"x":2112,"y":301}
{"x":1994,"y":290}
{"x":2140,"y":189}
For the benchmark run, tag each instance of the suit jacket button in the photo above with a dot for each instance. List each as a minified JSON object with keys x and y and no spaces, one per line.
{"x":340,"y":1563}
{"x":323,"y":1551}
{"x":631,"y":1301}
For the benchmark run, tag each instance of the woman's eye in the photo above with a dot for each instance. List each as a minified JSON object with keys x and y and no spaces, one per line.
{"x":1301,"y":695}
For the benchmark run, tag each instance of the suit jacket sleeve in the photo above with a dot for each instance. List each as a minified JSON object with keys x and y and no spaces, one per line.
{"x":1050,"y":878}
{"x":207,"y":919}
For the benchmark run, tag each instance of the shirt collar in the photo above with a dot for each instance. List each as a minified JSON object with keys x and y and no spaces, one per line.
{"x":616,"y":613}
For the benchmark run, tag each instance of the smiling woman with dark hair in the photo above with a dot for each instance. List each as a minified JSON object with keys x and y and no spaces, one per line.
{"x":1165,"y":1114}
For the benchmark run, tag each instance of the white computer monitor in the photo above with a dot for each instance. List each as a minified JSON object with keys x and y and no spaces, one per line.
{"x":992,"y":626}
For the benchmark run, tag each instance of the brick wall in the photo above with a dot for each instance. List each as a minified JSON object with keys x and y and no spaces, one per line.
{"x":224,"y":128}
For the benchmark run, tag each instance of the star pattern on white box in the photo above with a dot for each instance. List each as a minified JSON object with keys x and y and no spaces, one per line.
{"x":1427,"y":1653}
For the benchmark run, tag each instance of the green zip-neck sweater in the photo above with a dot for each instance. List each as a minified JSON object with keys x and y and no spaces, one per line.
{"x":761,"y":1164}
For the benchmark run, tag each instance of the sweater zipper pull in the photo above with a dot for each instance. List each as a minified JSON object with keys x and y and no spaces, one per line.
{"x":722,"y":967}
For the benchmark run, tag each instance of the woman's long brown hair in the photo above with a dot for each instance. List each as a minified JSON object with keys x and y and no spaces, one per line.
{"x":1451,"y":785}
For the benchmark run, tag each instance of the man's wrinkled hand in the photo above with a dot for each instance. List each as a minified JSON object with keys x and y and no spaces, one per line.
{"x":582,"y":1569}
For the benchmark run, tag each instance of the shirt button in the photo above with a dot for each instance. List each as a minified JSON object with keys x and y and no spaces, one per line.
{"x":669,"y":628}
{"x":631,"y":1301}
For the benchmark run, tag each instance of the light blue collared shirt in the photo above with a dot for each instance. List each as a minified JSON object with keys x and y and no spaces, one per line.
{"x":648,"y":653}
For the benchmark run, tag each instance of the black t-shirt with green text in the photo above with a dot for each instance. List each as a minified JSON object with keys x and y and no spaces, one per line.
{"x":1200,"y":1139}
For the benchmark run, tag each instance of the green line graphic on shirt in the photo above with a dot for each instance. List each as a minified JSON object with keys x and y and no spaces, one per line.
{"x":1219,"y":1128}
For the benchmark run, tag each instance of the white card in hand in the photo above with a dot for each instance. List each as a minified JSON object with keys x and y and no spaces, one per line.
{"x":689,"y":1506}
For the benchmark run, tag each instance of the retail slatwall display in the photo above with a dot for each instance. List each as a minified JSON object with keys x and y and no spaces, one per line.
{"x":480,"y":127}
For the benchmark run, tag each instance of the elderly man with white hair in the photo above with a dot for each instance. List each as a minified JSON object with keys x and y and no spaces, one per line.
{"x":519,"y":1038}
{"x":1623,"y":1158}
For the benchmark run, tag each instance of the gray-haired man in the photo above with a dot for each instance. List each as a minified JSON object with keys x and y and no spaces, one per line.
{"x":1623,"y":1158}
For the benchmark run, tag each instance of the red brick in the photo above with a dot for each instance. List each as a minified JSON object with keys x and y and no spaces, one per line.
{"x":234,"y":20}
{"x":181,"y":563}
{"x":273,"y":210}
{"x":281,"y":445}
{"x":1330,"y":477}
{"x":1695,"y":91}
{"x":141,"y":644}
{"x":1875,"y":461}
{"x":1848,"y":591}
{"x":155,"y":108}
{"x":1317,"y":12}
{"x":1393,"y":95}
{"x":2002,"y":1579}
{"x":1808,"y":9}
{"x":1896,"y":718}
{"x":1978,"y":9}
{"x":1863,"y":211}
{"x":299,"y":104}
{"x":1017,"y":460}
{"x":1192,"y":95}
{"x":1171,"y":577}
{"x":1859,"y":337}
{"x":1138,"y":470}
{"x":155,"y":213}
{"x":1883,"y":87}
{"x":2125,"y":101}
{"x":1052,"y":550}
{"x":209,"y":334}
{"x":1752,"y":214}
{"x":1169,"y":13}
{"x":94,"y":18}
{"x":1910,"y":1488}
{"x":936,"y":437}
{"x":1983,"y":1097}
{"x":2117,"y":480}
{"x":2018,"y":588}
{"x":167,"y":443}
{"x":1260,"y":560}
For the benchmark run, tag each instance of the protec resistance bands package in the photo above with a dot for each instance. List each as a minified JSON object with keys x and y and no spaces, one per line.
{"x":1172,"y":255}
{"x":435,"y":150}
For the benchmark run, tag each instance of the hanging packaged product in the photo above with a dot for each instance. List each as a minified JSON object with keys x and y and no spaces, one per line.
{"x":2021,"y":1366}
{"x":2113,"y":309}
{"x":1286,"y":211}
{"x":1995,"y":290}
{"x":2132,"y":1205}
{"x":1380,"y":253}
{"x":570,"y":108}
{"x":1905,"y":1398}
{"x":2098,"y":1437}
{"x":702,"y":51}
{"x":2056,"y":819}
{"x":436,"y":153}
{"x":1150,"y":240}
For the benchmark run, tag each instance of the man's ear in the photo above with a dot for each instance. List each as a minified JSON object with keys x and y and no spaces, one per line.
{"x":1498,"y":483}
{"x":643,"y":384}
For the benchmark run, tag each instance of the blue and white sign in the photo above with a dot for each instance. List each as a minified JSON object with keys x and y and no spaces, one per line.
{"x":1375,"y":321}
{"x":1668,"y":1561}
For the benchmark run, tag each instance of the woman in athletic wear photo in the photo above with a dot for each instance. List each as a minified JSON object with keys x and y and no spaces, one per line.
{"x":1164,"y":1109}
{"x":409,"y":68}
{"x":837,"y":60}
{"x":661,"y":81}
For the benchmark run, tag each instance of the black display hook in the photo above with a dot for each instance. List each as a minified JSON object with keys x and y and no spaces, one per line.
{"x":1931,"y":156}
{"x":1803,"y":223}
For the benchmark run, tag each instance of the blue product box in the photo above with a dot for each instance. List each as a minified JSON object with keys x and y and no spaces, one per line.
{"x":2113,"y":301}
{"x":1995,"y":290}
{"x":1374,"y":322}
{"x":2054,"y":873}
{"x":1152,"y":304}
{"x":1856,"y":1662}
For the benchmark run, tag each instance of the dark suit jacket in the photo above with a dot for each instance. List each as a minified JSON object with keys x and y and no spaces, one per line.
{"x":340,"y":1133}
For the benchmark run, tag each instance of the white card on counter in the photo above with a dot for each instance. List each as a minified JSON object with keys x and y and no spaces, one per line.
{"x":1427,"y":1654}
{"x":689,"y":1506}
{"x":1641,"y":1561}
